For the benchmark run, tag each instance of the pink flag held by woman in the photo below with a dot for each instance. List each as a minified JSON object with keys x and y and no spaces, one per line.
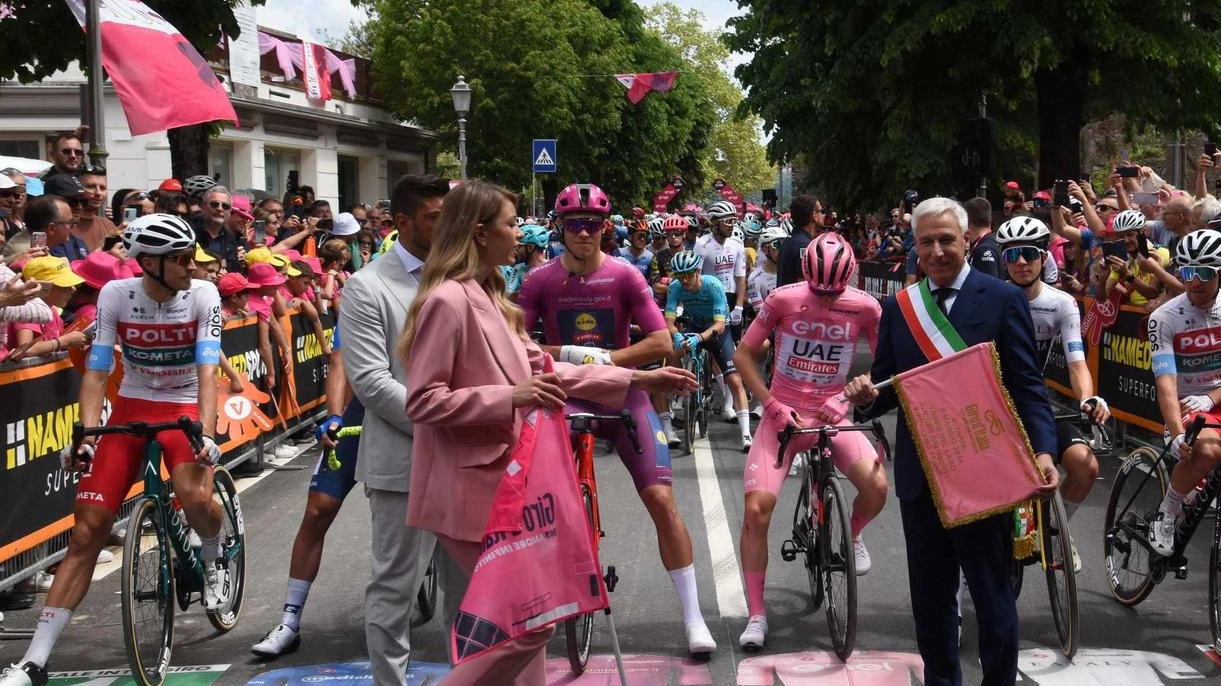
{"x":539,"y":565}
{"x":974,"y":449}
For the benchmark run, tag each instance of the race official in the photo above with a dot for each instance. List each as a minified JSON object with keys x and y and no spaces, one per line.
{"x":980,"y":308}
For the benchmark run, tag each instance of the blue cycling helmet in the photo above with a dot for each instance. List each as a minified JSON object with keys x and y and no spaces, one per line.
{"x":535,"y":235}
{"x":685,"y":262}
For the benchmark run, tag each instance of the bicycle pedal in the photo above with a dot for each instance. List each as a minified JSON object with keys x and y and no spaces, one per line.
{"x":610,"y":578}
{"x":789,"y":550}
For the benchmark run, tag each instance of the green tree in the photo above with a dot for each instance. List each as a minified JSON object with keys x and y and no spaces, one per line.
{"x":736,"y":153}
{"x":541,"y":69}
{"x":873,"y":91}
{"x":43,"y":38}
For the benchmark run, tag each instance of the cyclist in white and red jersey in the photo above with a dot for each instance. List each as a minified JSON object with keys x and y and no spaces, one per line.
{"x":725,"y":258}
{"x":588,"y":301}
{"x":1185,"y":343}
{"x":167,"y":327}
{"x":816,"y":325}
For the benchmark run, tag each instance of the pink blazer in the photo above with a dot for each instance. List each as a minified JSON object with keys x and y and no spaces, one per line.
{"x":460,"y":378}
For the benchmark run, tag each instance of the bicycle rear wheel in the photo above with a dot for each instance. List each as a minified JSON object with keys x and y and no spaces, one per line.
{"x":1061,"y":578}
{"x":690,"y":409}
{"x":708,"y":393}
{"x":147,"y":595}
{"x":426,"y":599}
{"x":839,"y":568}
{"x":579,"y":630}
{"x":232,"y":547}
{"x":1130,"y":563}
{"x":1214,"y":586}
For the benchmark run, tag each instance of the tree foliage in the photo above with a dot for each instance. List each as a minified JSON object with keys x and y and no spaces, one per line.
{"x":873,"y":91}
{"x":736,"y":153}
{"x":542,"y":69}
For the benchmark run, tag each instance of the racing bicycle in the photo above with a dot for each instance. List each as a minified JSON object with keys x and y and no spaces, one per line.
{"x":1133,"y":567}
{"x":822,"y":533}
{"x":578,"y":631}
{"x":426,"y":598}
{"x":160,"y":566}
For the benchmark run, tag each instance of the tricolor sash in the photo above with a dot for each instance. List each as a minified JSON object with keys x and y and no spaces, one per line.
{"x":928,"y":324}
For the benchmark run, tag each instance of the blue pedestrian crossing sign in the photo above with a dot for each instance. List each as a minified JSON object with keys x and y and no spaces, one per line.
{"x":544,"y":156}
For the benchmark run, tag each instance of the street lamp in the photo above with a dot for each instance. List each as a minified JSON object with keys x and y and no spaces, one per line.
{"x":462,"y":105}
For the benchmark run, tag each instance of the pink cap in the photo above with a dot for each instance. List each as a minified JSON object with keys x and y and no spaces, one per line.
{"x":231,"y":283}
{"x":1043,"y":195}
{"x":99,"y":269}
{"x":292,"y":255}
{"x":264,"y":274}
{"x":241,"y":206}
{"x":1013,"y":184}
{"x":315,"y":265}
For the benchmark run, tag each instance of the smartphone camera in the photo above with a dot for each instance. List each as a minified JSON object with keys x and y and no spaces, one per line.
{"x":38,"y":239}
{"x":1210,"y":149}
{"x":130,"y":214}
{"x":260,"y":231}
{"x":1060,"y":194}
{"x":1128,"y":172}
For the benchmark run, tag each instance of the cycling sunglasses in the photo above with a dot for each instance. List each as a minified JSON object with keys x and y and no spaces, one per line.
{"x":1026,"y":252}
{"x":182,"y":259}
{"x":1199,"y":273}
{"x":592,"y":226}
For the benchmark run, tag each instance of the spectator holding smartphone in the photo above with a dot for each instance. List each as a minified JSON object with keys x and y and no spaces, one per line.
{"x":1142,"y":283}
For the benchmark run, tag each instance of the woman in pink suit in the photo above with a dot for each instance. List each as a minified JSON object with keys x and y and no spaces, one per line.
{"x":470,"y":365}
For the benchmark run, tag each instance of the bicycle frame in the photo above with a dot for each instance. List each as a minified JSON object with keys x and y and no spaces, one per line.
{"x":584,"y":453}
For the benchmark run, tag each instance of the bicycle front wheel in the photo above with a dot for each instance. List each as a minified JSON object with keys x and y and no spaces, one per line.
{"x":839,"y":568}
{"x":1131,"y":510}
{"x":147,"y":595}
{"x":579,"y":630}
{"x":232,"y":549}
{"x":690,"y":409}
{"x":1061,"y":578}
{"x":1214,"y":586}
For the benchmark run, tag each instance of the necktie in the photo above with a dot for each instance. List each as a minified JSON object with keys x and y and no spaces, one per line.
{"x":943,"y":294}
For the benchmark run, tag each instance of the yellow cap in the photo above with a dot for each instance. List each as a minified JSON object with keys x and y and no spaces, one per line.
{"x":202,"y":256}
{"x":292,"y":271}
{"x":277,"y":260}
{"x":53,"y":269}
{"x":258,"y":255}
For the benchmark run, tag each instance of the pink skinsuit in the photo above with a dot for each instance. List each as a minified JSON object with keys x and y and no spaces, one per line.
{"x":814,"y":344}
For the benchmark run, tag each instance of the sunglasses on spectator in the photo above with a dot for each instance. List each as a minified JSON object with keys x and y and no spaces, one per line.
{"x":365,"y":244}
{"x":75,"y":202}
{"x":1198,"y":273}
{"x":590,"y":226}
{"x":1100,"y":208}
{"x":1025,"y":252}
{"x":72,"y":152}
{"x":218,"y":205}
{"x":8,"y":193}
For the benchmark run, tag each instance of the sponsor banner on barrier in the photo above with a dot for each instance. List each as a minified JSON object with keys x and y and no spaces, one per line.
{"x":347,"y":674}
{"x":1124,"y":371}
{"x":880,"y":279}
{"x":309,"y":364}
{"x":191,"y":675}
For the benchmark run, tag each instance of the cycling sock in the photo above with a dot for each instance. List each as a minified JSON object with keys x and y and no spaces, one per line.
{"x":1070,"y":508}
{"x":211,"y":549}
{"x":50,"y":623}
{"x":754,"y":593}
{"x":667,"y":422}
{"x":294,"y":602}
{"x":1172,"y":504}
{"x":857,"y":523}
{"x":688,"y":597}
{"x":728,"y":395}
{"x":744,"y":422}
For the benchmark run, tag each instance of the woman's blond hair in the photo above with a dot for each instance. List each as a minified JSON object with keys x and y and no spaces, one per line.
{"x":455,"y":254}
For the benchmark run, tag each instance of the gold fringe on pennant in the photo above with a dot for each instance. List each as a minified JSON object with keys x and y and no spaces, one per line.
{"x":920,"y":451}
{"x":1023,"y":547}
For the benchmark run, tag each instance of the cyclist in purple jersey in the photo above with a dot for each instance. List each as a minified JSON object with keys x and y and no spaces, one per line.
{"x":587,"y":302}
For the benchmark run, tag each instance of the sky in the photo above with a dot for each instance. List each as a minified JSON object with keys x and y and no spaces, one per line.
{"x":311,"y":18}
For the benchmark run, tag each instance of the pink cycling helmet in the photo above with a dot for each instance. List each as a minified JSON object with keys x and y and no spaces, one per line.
{"x":828,"y":264}
{"x":582,"y":197}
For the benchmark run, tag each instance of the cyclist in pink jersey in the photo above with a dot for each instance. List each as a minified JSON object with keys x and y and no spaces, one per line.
{"x":816,"y":325}
{"x":587,"y":302}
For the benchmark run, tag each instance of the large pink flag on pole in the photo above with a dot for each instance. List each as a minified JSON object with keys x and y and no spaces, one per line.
{"x":161,"y":79}
{"x":973,"y":447}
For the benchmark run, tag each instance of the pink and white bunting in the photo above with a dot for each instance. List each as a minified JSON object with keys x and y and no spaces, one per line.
{"x":291,"y":58}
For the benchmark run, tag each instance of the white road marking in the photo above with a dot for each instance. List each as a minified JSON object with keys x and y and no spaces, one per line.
{"x":726,"y":574}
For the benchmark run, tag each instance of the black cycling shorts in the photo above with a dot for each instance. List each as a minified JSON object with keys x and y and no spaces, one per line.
{"x":1068,"y":434}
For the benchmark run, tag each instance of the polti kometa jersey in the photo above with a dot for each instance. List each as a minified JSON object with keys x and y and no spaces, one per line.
{"x":161,"y":343}
{"x":1185,"y":340}
{"x":726,"y":261}
{"x":1055,"y":313}
{"x":815,"y":340}
{"x":594,"y":310}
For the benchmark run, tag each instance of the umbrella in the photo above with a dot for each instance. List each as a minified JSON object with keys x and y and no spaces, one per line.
{"x":28,"y":166}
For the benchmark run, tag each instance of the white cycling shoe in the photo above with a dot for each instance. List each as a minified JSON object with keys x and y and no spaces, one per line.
{"x":1161,"y":534}
{"x":756,"y":632}
{"x":747,"y":441}
{"x":279,"y":641}
{"x":216,"y":586}
{"x":861,"y":555}
{"x":699,"y":638}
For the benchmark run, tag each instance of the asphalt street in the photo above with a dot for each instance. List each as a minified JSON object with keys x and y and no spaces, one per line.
{"x":1172,"y":622}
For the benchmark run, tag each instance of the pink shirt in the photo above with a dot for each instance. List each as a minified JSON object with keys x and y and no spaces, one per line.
{"x":49,"y":330}
{"x":260,"y":305}
{"x":815,"y":340}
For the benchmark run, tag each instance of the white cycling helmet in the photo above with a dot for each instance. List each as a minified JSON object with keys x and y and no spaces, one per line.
{"x":1128,"y":220}
{"x":737,"y":232}
{"x":1023,"y":230}
{"x":770,"y":235}
{"x":196,"y":186}
{"x":786,"y":225}
{"x":1199,"y":249}
{"x":157,"y":234}
{"x":722,"y":209}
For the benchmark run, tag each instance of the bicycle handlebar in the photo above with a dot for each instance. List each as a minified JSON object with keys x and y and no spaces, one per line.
{"x":1194,"y":429}
{"x":192,"y":428}
{"x":784,"y":435}
{"x":629,"y":422}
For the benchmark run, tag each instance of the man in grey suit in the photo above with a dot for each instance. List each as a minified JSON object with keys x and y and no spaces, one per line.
{"x":374,"y":307}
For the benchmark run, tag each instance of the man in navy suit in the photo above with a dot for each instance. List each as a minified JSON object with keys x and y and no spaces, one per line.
{"x":981,"y":308}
